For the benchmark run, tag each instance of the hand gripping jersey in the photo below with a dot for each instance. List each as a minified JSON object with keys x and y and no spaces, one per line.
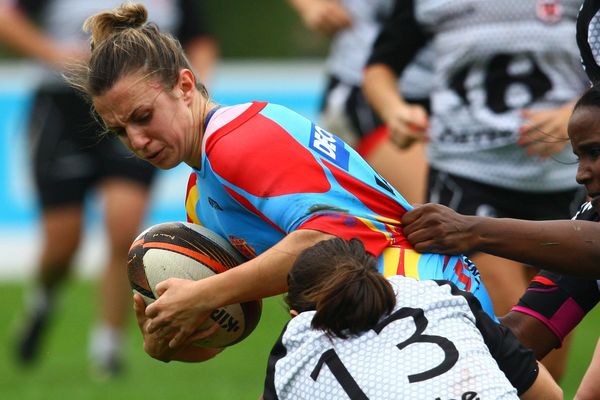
{"x":267,"y":171}
{"x":561,"y":301}
{"x":492,"y":60}
{"x":437,"y":344}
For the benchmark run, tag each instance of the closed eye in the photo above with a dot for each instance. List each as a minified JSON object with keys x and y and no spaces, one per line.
{"x":117,"y":131}
{"x":143,"y":119}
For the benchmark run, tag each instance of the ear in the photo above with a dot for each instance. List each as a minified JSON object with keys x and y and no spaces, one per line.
{"x":187,"y":84}
{"x":293,"y":313}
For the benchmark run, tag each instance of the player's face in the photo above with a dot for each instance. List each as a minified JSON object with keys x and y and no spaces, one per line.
{"x":584,"y":132}
{"x":155,"y":123}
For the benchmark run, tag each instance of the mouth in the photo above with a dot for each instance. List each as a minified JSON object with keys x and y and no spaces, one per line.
{"x":153,"y":157}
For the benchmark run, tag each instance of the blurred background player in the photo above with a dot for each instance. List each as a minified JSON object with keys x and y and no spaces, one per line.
{"x":353,"y":26}
{"x":506,"y":78}
{"x":70,"y":160}
{"x":355,"y":334}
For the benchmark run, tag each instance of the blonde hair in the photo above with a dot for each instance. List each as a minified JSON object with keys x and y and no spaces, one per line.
{"x":123,"y":42}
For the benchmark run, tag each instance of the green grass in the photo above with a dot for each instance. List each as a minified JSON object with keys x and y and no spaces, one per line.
{"x":237,"y":373}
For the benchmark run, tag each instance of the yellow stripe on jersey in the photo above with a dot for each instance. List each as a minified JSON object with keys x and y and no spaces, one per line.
{"x":391,"y":260}
{"x":411,"y":263}
{"x":386,"y":220}
{"x":374,"y":228}
{"x":190,"y":205}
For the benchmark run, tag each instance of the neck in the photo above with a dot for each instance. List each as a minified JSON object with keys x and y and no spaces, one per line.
{"x":201,"y":108}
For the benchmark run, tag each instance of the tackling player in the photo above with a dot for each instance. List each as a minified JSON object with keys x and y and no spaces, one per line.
{"x":356,"y":335}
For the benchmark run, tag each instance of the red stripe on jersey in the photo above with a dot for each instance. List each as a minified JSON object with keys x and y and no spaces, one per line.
{"x":400,"y":270}
{"x":244,"y":202}
{"x":377,"y":202}
{"x":264,"y":160}
{"x":543,"y":280}
{"x":348,"y":227}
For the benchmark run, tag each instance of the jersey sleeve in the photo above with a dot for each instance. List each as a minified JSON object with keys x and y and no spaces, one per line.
{"x":560,"y":302}
{"x":400,"y":38}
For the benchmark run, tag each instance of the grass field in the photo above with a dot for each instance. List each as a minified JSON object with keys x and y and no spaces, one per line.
{"x":238,"y":373}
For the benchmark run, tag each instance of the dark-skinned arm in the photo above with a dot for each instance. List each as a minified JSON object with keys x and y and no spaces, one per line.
{"x":564,"y":246}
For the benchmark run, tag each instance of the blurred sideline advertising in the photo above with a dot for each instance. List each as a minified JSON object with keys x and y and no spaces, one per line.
{"x":295,"y":84}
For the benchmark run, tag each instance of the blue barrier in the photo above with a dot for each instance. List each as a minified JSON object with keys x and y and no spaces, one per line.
{"x":295,"y":85}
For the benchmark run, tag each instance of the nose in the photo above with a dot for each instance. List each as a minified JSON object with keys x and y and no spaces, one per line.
{"x":138,"y":140}
{"x":584,"y":172}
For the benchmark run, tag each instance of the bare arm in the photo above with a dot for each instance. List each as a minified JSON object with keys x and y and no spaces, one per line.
{"x":323,"y":16}
{"x":183,"y":305}
{"x":544,"y":387}
{"x":589,"y":388}
{"x":19,"y":33}
{"x":530,"y":331}
{"x":563,"y":246}
{"x":407,"y":122}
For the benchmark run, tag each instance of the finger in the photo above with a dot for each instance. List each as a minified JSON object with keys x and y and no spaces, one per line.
{"x":426,"y":246}
{"x":403,"y":141}
{"x":203,"y":334}
{"x":413,"y":215}
{"x":139,"y":306}
{"x":162,"y":287}
{"x":152,"y":310}
{"x":179,"y":339}
{"x":156,"y":325}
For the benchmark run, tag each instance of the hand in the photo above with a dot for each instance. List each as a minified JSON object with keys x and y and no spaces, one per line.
{"x":434,"y":228}
{"x":157,"y":346}
{"x":544,"y":132}
{"x":324,"y":16}
{"x":178,"y":312}
{"x":408,"y":123}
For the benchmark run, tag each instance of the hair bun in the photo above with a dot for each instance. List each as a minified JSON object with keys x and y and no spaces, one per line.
{"x":103,"y":25}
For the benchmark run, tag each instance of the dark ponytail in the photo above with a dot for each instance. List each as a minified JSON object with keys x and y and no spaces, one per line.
{"x":339,"y":280}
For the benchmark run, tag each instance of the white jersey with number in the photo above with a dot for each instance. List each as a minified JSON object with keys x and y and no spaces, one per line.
{"x":495,"y":58}
{"x":430,"y":347}
{"x":492,"y":60}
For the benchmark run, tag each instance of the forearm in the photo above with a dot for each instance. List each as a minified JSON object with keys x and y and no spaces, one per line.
{"x":20,"y":34}
{"x":552,"y":245}
{"x":263,"y":276}
{"x":544,"y":387}
{"x":380,"y":86}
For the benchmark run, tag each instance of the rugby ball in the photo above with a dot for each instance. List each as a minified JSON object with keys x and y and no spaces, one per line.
{"x":189,"y":251}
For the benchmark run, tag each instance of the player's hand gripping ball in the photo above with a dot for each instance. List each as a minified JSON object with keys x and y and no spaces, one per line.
{"x":189,"y":251}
